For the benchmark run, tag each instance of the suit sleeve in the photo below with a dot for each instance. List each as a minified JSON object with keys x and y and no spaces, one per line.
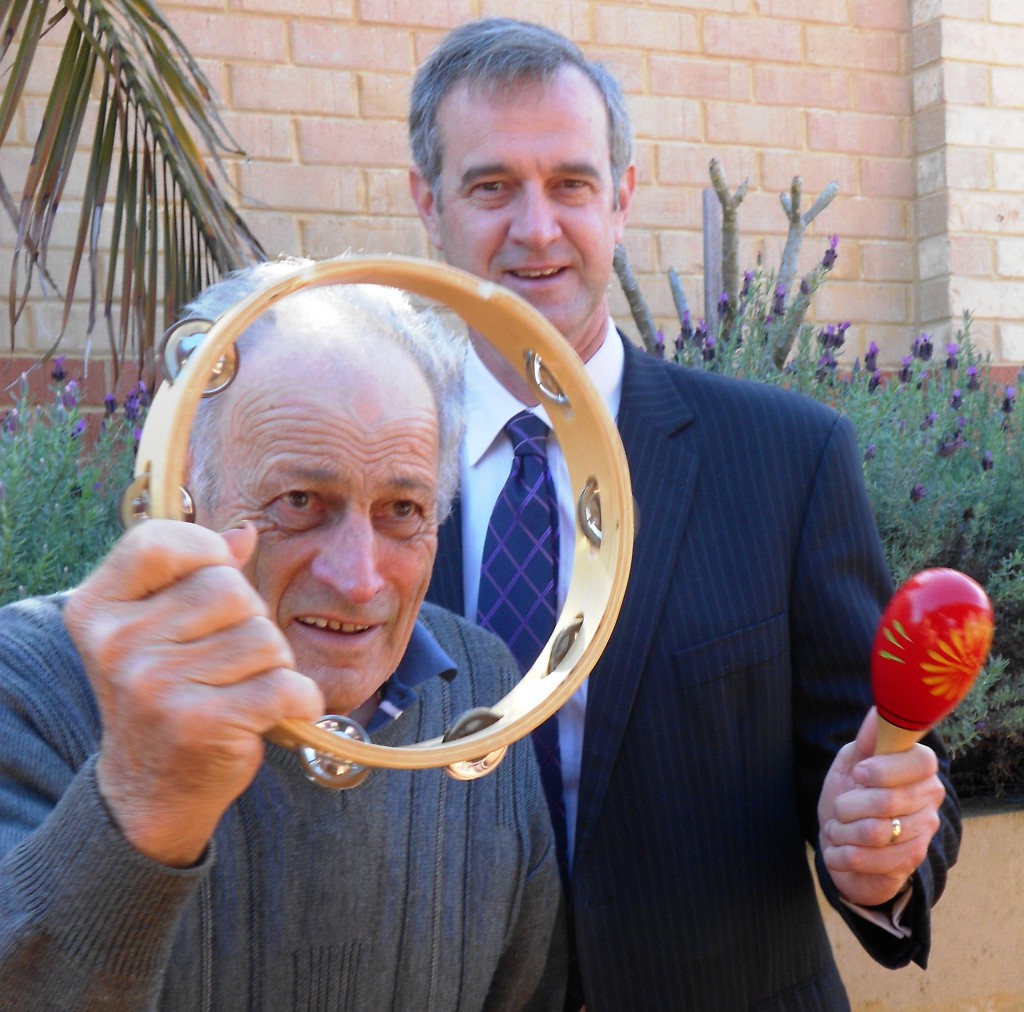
{"x":840,"y":588}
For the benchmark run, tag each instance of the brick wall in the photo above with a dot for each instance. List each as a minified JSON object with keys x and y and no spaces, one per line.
{"x":913,"y":108}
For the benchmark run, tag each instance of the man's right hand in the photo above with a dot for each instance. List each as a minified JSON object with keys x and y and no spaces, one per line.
{"x":189,"y":672}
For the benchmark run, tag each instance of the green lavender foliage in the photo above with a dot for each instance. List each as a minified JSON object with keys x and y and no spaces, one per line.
{"x":943,"y":460}
{"x":61,"y":476}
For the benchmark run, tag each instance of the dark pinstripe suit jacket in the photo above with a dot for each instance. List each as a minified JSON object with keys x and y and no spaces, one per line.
{"x":738,"y":667}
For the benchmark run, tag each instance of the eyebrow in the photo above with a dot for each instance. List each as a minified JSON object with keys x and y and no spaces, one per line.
{"x":471,"y":175}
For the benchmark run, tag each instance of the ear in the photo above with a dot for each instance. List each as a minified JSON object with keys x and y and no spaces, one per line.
{"x":627,"y":186}
{"x":423,"y":198}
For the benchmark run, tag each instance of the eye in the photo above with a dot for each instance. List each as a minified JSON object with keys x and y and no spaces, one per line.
{"x":296,"y":510}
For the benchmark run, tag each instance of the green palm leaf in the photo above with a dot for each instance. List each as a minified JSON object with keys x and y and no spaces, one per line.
{"x":171,"y":229}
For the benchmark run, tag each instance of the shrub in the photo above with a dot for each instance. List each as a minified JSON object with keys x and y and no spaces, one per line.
{"x":944,"y":467}
{"x":61,"y":477}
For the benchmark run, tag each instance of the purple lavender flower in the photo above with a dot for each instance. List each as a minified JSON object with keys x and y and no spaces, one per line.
{"x":956,"y":400}
{"x":875,"y":382}
{"x":708,"y":352}
{"x":948,"y":448}
{"x":686,"y":332}
{"x":905,"y":373}
{"x":952,"y":348}
{"x":987,"y":463}
{"x":973,"y":383}
{"x":805,"y":288}
{"x":917,"y":493}
{"x":58,"y":373}
{"x":779,"y":304}
{"x":723,"y":304}
{"x":929,"y":420}
{"x":109,"y":404}
{"x":69,"y":395}
{"x":922,"y":347}
{"x":869,"y":452}
{"x":871,"y":358}
{"x":748,"y":280}
{"x":829,"y":259}
{"x":700,"y":335}
{"x":1008,"y":398}
{"x":659,"y":344}
{"x":79,"y":428}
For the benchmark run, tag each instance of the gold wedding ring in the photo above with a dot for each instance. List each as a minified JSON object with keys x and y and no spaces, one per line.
{"x":897,"y":828}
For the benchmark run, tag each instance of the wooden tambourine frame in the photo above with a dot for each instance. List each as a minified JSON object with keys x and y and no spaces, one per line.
{"x":597,"y":469}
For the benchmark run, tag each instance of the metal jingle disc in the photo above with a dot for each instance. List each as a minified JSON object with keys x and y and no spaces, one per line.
{"x":327,"y":771}
{"x":593,"y":454}
{"x":470,"y":723}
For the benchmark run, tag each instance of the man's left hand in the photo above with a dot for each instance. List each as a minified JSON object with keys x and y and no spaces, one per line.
{"x":863,"y":797}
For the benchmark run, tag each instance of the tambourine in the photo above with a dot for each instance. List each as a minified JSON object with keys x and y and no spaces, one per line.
{"x":200,"y":360}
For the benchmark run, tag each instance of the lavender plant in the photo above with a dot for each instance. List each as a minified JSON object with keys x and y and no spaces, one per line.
{"x":944,"y":467}
{"x":62,"y":472}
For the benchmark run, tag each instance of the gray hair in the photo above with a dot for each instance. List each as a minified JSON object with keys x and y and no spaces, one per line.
{"x":497,"y":54}
{"x":381,"y":313}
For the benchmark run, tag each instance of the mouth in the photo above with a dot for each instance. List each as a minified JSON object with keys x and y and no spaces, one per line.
{"x":536,"y":275}
{"x":315,"y":622}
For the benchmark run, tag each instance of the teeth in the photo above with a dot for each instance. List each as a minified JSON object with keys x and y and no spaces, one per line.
{"x":323,"y":623}
{"x":537,"y":274}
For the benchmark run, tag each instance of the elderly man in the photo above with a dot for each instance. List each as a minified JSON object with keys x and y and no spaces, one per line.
{"x":155,"y":850}
{"x":724,"y":729}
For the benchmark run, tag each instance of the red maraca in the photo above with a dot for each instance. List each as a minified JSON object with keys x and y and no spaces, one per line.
{"x":933,"y":640}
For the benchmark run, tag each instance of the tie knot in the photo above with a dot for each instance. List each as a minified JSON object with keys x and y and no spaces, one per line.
{"x":528,"y":434}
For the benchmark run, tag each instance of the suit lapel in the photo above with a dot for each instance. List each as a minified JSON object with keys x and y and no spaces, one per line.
{"x":446,"y":580}
{"x":651,"y":415}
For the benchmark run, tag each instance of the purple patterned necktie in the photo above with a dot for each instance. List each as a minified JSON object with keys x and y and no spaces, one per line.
{"x":519,"y":584}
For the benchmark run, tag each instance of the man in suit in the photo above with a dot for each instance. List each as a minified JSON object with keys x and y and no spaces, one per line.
{"x":727,"y":725}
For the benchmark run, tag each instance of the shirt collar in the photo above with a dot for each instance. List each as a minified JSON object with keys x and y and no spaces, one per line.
{"x":423,"y":659}
{"x":488,"y":405}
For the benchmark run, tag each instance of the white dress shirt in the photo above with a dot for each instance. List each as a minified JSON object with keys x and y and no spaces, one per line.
{"x":485,"y":466}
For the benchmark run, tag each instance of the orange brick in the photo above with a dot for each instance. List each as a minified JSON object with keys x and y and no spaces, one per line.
{"x":261,"y":136}
{"x":887,"y":177}
{"x":687,"y":165}
{"x":968,"y":83}
{"x":885,"y":94}
{"x":383,"y":96}
{"x":833,"y":11}
{"x":657,"y":117}
{"x":1008,"y":86}
{"x":301,"y":188}
{"x":387,"y":193}
{"x":1007,"y":172}
{"x":433,"y":15}
{"x":277,"y":232}
{"x":866,"y":303}
{"x":732,"y":123}
{"x":874,"y":218}
{"x":997,"y":298}
{"x":721,"y":79}
{"x":855,"y":133}
{"x":974,"y":255}
{"x":815,"y":169}
{"x":645,"y":29}
{"x":985,"y":212}
{"x":887,"y":261}
{"x":333,"y":236}
{"x":858,"y":50}
{"x":665,"y":207}
{"x":871,"y":14}
{"x":806,"y":88}
{"x":293,"y":89}
{"x":351,"y":47}
{"x":352,"y":142}
{"x":339,"y":9}
{"x":232,"y":36}
{"x":752,"y":38}
{"x":985,"y":43}
{"x":570,"y":17}
{"x":968,"y":169}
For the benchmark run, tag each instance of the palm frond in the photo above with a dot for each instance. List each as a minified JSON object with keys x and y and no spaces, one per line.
{"x":155,"y":119}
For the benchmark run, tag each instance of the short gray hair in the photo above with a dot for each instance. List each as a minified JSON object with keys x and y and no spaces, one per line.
{"x":497,"y":54}
{"x":384,"y":313}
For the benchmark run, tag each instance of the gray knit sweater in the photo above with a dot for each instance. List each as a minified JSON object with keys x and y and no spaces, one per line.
{"x":411,"y":892}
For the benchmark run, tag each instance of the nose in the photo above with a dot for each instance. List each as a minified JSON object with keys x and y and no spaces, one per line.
{"x":347,"y":562}
{"x":535,"y":223}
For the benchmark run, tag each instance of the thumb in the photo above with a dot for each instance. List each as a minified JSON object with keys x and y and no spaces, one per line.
{"x":241,"y":542}
{"x":864,"y":744}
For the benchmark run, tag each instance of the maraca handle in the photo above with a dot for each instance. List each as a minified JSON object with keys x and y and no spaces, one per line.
{"x":893,"y":739}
